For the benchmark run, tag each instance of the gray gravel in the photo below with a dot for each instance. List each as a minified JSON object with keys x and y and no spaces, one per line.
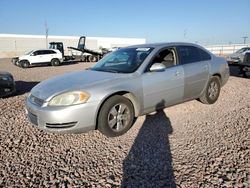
{"x":188,"y":145}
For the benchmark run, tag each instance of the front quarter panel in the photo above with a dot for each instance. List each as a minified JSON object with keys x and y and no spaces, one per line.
{"x":131,"y":85}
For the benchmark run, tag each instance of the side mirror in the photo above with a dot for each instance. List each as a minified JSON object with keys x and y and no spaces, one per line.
{"x":157,"y":67}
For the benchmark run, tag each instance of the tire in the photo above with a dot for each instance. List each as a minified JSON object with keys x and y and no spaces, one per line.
{"x":246,"y":58}
{"x":55,"y":62}
{"x":212,"y":91}
{"x":113,"y":123}
{"x":24,"y":64}
{"x":92,"y":59}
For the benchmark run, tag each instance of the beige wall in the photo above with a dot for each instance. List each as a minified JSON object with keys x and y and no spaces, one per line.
{"x":14,"y":45}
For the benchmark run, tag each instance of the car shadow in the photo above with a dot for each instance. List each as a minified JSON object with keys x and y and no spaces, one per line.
{"x":23,"y":87}
{"x":149,"y":162}
{"x":236,"y":71}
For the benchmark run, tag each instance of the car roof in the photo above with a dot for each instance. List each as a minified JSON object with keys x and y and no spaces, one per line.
{"x":168,"y":44}
{"x":46,"y":49}
{"x":156,"y":45}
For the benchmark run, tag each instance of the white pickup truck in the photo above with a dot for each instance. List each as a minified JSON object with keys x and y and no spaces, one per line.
{"x":48,"y":56}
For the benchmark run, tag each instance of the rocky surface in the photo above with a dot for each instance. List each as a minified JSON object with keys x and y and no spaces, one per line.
{"x":187,"y":145}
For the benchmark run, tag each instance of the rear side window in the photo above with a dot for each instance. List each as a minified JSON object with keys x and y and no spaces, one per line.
{"x":48,"y":52}
{"x":191,"y":54}
{"x":51,"y":52}
{"x":204,"y":55}
{"x":188,"y":54}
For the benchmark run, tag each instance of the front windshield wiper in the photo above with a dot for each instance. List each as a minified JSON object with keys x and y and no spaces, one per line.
{"x":111,"y":70}
{"x":104,"y":70}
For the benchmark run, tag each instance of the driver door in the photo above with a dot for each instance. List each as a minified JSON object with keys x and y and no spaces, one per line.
{"x":164,"y":87}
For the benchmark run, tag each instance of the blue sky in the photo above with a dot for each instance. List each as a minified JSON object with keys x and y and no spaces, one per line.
{"x":202,"y":21}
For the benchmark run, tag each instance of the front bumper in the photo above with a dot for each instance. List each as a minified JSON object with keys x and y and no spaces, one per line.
{"x":232,"y":61}
{"x":7,"y":88}
{"x":70,"y":119}
{"x":15,"y":60}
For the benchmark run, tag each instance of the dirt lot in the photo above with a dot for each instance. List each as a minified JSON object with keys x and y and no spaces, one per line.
{"x":188,"y":145}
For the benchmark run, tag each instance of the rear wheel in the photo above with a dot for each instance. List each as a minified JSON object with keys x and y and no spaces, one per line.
{"x":24,"y":64}
{"x":55,"y":62}
{"x":212,"y":91}
{"x":116,"y":116}
{"x":92,"y":58}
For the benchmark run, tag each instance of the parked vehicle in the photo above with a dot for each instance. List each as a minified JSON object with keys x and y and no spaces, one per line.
{"x":7,"y":84}
{"x":67,"y":54}
{"x":244,"y":64}
{"x":48,"y":56}
{"x":86,"y":54}
{"x":125,"y":84}
{"x":237,"y":56}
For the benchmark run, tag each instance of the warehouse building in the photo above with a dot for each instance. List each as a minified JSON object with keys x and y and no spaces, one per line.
{"x":14,"y":45}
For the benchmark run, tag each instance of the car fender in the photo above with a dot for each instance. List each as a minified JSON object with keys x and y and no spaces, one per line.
{"x":130,"y":91}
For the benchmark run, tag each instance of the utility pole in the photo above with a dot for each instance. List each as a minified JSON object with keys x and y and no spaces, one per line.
{"x":245,"y":39}
{"x":185,"y":34}
{"x":46,"y":33}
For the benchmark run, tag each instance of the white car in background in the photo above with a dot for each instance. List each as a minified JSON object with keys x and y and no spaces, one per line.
{"x":48,"y":56}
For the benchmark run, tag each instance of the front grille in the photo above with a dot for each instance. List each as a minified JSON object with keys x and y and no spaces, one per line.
{"x":36,"y":101}
{"x":60,"y":125}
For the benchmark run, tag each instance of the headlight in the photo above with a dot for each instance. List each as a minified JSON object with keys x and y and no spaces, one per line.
{"x":5,"y":78}
{"x":69,"y":98}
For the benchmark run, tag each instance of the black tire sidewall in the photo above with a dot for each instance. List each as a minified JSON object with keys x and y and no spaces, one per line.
{"x":103,"y":116}
{"x":55,"y":62}
{"x":24,"y":64}
{"x":217,"y":81}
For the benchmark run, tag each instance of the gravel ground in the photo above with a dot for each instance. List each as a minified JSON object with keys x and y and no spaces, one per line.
{"x":187,"y":145}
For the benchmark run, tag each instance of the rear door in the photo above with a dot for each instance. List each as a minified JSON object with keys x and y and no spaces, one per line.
{"x":48,"y":55}
{"x":196,"y":70}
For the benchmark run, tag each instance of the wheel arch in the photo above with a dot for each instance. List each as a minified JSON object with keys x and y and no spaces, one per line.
{"x":217,"y":75}
{"x":55,"y":58}
{"x":24,"y":60}
{"x":133,"y":99}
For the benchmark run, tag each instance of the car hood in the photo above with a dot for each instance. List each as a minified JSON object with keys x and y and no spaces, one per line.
{"x":75,"y":81}
{"x":234,"y":55}
{"x":23,"y":57}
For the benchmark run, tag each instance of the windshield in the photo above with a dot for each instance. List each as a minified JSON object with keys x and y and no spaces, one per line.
{"x":125,"y":60}
{"x":240,"y":50}
{"x":29,"y":52}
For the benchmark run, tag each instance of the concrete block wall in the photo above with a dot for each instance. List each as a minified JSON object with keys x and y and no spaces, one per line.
{"x":12,"y":45}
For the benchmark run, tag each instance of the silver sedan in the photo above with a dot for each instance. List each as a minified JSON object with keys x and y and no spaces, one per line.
{"x":125,"y":84}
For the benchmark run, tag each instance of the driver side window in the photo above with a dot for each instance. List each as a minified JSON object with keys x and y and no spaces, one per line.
{"x":166,"y":57}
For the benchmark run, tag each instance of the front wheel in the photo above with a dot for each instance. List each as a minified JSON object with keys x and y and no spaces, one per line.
{"x":212,"y":91}
{"x":24,"y":64}
{"x":116,"y":116}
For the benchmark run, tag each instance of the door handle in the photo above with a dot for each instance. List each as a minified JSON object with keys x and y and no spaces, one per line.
{"x":205,"y":67}
{"x":177,"y":73}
